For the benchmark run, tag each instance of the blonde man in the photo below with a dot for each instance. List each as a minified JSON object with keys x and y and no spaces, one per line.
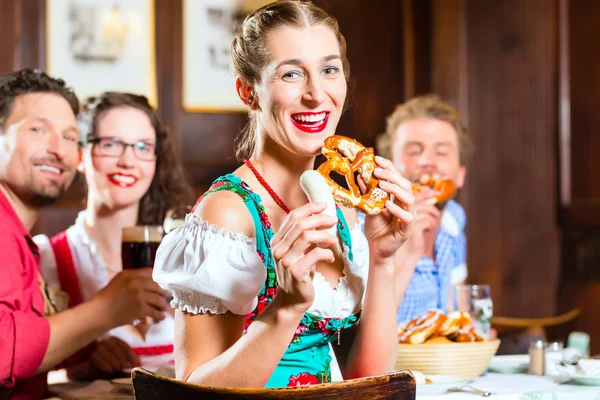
{"x":426,"y":135}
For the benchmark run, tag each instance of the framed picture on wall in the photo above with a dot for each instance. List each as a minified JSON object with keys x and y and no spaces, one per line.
{"x":208,"y":29}
{"x":100,"y":45}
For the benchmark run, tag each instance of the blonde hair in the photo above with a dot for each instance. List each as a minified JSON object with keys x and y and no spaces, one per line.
{"x":428,"y":106}
{"x":249,"y":49}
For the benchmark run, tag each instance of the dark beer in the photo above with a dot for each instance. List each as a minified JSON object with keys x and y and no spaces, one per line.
{"x":139,"y":245}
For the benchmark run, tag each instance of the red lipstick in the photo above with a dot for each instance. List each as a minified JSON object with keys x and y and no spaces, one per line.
{"x":307,"y":126}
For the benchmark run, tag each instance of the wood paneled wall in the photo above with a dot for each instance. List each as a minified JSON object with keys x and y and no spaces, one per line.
{"x":512,"y":103}
{"x":579,"y":163}
{"x":376,"y":63}
{"x":205,"y":140}
{"x":583,"y":75}
{"x":9,"y":32}
{"x":22,"y":27}
{"x":497,"y":61}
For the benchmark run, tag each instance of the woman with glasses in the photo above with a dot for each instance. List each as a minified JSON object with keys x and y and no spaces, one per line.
{"x":133,"y":177}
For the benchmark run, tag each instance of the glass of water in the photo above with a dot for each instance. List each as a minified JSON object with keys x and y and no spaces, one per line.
{"x":477,"y":301}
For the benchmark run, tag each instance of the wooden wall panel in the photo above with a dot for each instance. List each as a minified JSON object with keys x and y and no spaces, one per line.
{"x":584,"y":79}
{"x":448,"y":55}
{"x":10,"y":29}
{"x":416,"y":23}
{"x":512,"y":101}
{"x":376,"y":63}
{"x":205,"y":140}
{"x":497,"y":61}
{"x":580,"y":165}
{"x":448,"y":51}
{"x":22,"y":32}
{"x":33,"y":34}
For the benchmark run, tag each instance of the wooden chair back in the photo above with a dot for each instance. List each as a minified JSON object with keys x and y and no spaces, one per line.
{"x":518,"y":333}
{"x":398,"y":385}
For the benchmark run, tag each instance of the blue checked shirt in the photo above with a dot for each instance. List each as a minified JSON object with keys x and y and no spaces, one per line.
{"x":430,"y":284}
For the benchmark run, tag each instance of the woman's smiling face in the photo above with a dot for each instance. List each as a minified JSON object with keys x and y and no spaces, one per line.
{"x":120,"y":181}
{"x":303,"y":88}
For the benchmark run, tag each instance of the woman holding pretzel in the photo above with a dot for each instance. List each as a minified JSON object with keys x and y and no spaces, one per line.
{"x":258,"y":289}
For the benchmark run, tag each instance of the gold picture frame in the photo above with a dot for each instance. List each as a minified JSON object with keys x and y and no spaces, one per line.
{"x":99,"y":45}
{"x":208,"y":30}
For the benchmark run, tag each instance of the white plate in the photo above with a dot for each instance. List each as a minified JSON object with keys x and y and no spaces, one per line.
{"x":509,"y":364}
{"x":585,"y":380}
{"x":439,"y":384}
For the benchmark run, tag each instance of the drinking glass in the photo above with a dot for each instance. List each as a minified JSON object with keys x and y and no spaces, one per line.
{"x":139,"y":245}
{"x":138,"y":250}
{"x":477,"y":301}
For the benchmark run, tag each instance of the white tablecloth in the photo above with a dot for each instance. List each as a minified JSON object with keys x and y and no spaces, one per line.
{"x":523,"y":387}
{"x":504,"y":387}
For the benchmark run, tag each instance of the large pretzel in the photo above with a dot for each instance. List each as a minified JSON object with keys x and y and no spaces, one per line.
{"x":346,"y":157}
{"x":422,"y":328}
{"x":456,"y":327}
{"x":444,"y":186}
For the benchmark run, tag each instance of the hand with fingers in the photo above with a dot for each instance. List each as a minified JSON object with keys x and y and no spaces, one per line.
{"x":301,"y":242}
{"x":388,"y":230}
{"x":131,"y":296}
{"x":112,"y":356}
{"x":427,"y":223}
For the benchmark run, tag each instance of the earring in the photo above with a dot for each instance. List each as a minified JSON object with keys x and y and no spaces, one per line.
{"x":249,"y":96}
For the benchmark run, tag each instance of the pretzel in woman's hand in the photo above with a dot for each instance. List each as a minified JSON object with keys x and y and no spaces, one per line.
{"x":442,"y":186}
{"x":346,"y":157}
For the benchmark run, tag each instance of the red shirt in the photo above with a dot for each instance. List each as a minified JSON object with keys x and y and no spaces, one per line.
{"x":24,"y":332}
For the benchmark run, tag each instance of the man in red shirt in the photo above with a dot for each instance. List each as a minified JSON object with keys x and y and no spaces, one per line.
{"x":39,"y":152}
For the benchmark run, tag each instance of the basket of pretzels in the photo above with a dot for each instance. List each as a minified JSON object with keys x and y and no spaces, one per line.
{"x":444,"y":344}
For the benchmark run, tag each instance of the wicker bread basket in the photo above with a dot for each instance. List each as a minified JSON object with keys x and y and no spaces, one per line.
{"x":464,"y":360}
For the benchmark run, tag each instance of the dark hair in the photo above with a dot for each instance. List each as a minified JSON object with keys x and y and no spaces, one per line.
{"x":169,"y":186}
{"x":249,"y":50}
{"x":28,"y":81}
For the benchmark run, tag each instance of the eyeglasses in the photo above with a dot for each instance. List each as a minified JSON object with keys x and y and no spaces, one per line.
{"x":113,"y":147}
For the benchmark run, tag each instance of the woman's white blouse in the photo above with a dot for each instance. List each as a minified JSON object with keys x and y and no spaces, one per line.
{"x":212,"y":269}
{"x":93,"y":275}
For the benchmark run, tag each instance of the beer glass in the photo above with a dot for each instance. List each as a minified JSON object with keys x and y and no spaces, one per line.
{"x":139,"y":245}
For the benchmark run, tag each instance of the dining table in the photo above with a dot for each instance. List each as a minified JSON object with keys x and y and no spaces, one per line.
{"x":500,"y":387}
{"x":520,"y":387}
{"x":60,"y":387}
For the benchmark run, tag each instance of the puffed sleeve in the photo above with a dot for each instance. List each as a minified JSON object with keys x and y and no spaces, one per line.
{"x":209,"y":269}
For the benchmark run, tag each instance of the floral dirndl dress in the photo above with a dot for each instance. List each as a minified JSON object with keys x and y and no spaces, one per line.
{"x":307,"y":359}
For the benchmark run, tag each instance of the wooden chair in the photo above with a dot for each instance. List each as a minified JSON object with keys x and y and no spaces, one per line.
{"x":395,"y":385}
{"x":517,"y":333}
